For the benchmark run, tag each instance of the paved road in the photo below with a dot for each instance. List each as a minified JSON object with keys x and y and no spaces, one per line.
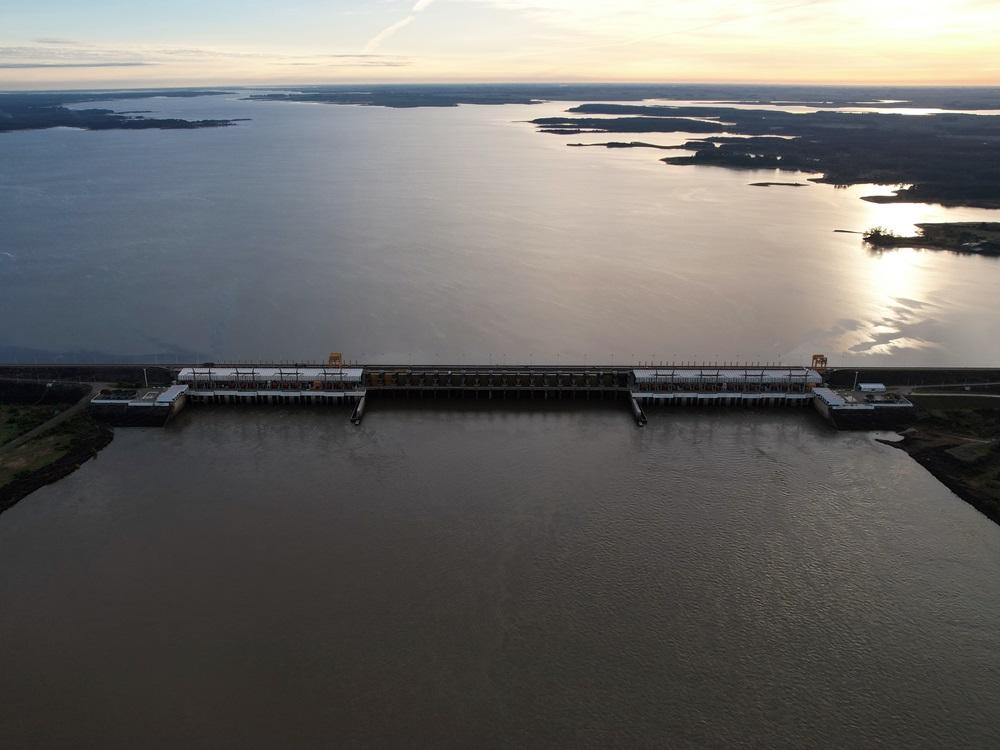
{"x":58,"y":419}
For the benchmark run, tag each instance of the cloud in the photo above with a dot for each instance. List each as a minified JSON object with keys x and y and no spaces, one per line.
{"x":30,"y":66}
{"x":352,"y":61}
{"x":388,"y":31}
{"x":67,"y":54}
{"x":54,"y":57}
{"x":60,"y":42}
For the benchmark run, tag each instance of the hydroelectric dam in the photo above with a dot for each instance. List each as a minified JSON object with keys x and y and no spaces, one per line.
{"x":848,"y":398}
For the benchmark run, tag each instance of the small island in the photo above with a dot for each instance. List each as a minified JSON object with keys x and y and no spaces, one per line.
{"x":973,"y":237}
{"x":622,"y":144}
{"x":948,"y":159}
{"x":40,"y":111}
{"x":779,"y":184}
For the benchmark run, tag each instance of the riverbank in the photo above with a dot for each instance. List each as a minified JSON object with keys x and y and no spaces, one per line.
{"x":49,"y":458}
{"x":961,"y":448}
{"x":46,"y":434}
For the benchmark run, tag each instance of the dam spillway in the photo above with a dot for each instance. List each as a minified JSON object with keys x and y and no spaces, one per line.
{"x":645,"y":386}
{"x":268,"y":384}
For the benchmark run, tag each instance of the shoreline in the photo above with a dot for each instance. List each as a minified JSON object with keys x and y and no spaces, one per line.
{"x":84,"y":450}
{"x":965,"y":237}
{"x":933,"y":455}
{"x":901,"y":196}
{"x":37,"y":455}
{"x":956,"y":438}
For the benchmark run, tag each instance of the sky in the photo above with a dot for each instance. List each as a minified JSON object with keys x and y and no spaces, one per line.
{"x":138,"y":43}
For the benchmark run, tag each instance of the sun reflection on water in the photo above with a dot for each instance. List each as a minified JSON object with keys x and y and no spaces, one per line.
{"x":902,"y":313}
{"x":901,"y":218}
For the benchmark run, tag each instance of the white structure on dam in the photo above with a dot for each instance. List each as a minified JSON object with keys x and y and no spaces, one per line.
{"x":725,"y":386}
{"x":273,"y":384}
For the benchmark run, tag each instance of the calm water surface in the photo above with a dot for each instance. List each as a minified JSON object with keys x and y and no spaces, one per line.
{"x":464,"y":578}
{"x":454,"y":234}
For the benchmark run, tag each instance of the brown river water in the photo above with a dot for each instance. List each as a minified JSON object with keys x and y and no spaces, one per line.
{"x":459,"y":577}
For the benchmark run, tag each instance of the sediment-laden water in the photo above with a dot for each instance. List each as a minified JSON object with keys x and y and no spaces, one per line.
{"x":460,"y":577}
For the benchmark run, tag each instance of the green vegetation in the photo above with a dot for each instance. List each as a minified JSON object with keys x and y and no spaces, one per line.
{"x":980,"y":237}
{"x":880,"y":236}
{"x":978,"y":424}
{"x":49,"y":457}
{"x":17,"y":419}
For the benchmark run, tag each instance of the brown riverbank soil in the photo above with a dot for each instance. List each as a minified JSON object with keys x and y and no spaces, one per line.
{"x":960,"y":447}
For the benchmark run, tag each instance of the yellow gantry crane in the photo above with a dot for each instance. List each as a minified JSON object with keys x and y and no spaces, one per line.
{"x":336,"y":359}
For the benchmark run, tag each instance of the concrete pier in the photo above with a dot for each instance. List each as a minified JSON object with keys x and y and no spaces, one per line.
{"x":640,"y":418}
{"x":359,"y":411}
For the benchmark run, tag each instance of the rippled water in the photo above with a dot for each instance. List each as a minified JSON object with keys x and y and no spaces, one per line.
{"x":454,"y":235}
{"x":469,"y":578}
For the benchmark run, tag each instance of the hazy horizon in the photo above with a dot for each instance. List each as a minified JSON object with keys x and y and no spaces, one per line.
{"x":107,"y":44}
{"x":296,"y":84}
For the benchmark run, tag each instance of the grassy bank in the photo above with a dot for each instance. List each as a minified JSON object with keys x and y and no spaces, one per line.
{"x":66,"y":435}
{"x":17,"y":419}
{"x":961,"y":447}
{"x":49,"y":457}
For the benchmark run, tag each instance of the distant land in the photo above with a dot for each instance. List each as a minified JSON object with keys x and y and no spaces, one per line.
{"x":951,"y":159}
{"x":620,"y":144}
{"x":978,"y":237}
{"x":37,"y":111}
{"x":452,"y":95}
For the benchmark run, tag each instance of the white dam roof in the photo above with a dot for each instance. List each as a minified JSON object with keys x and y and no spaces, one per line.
{"x":270,"y":374}
{"x":727,"y":375}
{"x":171,"y":394}
{"x":829,"y":397}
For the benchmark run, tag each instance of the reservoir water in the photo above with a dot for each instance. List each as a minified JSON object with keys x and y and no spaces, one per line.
{"x":453,"y":235}
{"x":472,"y":578}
